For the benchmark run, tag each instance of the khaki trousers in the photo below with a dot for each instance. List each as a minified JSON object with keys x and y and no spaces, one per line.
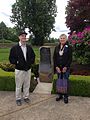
{"x":22,"y":78}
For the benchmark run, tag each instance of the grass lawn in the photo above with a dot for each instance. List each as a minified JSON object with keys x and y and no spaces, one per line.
{"x":4,"y":54}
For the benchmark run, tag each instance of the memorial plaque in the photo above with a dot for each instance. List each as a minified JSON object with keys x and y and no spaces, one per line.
{"x":45,"y":55}
{"x":46,"y":63}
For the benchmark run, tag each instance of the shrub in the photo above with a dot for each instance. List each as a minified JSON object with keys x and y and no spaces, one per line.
{"x":79,"y":86}
{"x":7,"y":81}
{"x":7,"y":67}
{"x":35,"y":69}
{"x":81,"y":44}
{"x":5,"y":41}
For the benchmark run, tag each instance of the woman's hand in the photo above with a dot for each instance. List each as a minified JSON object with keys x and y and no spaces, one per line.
{"x":58,"y":70}
{"x":64,"y":69}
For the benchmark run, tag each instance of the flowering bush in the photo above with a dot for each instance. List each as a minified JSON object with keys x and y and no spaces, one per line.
{"x":80,"y":37}
{"x":81,"y":44}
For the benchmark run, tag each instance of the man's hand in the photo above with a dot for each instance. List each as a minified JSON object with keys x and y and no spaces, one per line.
{"x":58,"y":70}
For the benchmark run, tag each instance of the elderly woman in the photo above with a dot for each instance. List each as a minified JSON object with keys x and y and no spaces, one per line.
{"x":62,"y":60}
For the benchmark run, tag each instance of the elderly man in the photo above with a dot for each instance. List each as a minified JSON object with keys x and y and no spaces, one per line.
{"x":22,"y":56}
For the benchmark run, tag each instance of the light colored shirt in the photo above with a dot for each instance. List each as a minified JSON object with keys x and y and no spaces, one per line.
{"x":24,"y":49}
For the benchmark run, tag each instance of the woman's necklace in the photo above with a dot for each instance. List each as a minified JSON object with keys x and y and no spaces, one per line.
{"x":61,"y":50}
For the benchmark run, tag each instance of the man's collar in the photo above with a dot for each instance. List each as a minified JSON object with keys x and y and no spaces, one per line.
{"x":20,"y":44}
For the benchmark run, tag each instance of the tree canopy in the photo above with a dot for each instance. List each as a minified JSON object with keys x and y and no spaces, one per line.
{"x":37,"y":15}
{"x":3,"y":31}
{"x":7,"y":33}
{"x":77,"y":14}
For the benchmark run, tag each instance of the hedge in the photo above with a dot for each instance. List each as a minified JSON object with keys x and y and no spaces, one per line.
{"x":78,"y":86}
{"x":7,"y":81}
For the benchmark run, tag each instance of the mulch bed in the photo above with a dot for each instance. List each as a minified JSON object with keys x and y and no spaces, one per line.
{"x":78,"y":69}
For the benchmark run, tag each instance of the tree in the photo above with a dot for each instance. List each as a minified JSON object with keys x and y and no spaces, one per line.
{"x":12,"y":34}
{"x":77,"y":14}
{"x":3,"y":31}
{"x":37,"y":15}
{"x":7,"y":33}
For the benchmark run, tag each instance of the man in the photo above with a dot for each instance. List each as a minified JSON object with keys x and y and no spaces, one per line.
{"x":22,"y":56}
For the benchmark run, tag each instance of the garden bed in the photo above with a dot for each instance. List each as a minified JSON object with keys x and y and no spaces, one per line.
{"x":79,"y":69}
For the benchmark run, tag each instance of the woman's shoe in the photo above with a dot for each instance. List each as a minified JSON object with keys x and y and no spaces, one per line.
{"x":65,"y":100}
{"x":27,"y":100}
{"x":59,"y":98}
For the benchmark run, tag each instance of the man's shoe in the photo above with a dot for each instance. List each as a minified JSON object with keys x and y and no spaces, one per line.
{"x":18,"y":102}
{"x":65,"y":100}
{"x":59,"y":98}
{"x":27,"y":100}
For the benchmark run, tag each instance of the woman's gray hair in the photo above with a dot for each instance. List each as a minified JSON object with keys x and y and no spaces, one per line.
{"x":63,"y":35}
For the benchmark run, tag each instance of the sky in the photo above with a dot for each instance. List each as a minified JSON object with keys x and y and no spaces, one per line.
{"x":60,"y":27}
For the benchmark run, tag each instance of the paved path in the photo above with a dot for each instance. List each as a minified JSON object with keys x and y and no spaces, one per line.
{"x":43,"y":87}
{"x":44,"y":107}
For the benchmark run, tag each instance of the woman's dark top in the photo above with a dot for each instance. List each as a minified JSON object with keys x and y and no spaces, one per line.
{"x":65,"y":59}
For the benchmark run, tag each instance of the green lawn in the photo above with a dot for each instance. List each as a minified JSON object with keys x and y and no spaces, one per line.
{"x":4,"y":54}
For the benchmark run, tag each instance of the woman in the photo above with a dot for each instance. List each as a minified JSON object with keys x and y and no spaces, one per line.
{"x":62,"y":61}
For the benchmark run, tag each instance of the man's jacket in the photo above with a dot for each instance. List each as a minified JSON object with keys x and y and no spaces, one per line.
{"x":16,"y":57}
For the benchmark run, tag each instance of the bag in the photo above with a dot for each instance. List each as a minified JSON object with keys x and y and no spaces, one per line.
{"x":61,"y":84}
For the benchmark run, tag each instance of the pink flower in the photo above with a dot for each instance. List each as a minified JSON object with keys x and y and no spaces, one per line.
{"x":79,"y":41}
{"x":80,"y":35}
{"x":73,"y":42}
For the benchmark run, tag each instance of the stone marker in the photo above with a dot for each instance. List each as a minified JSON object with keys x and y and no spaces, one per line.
{"x":46,"y":68}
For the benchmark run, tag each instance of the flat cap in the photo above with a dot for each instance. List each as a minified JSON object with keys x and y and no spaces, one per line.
{"x":22,"y":32}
